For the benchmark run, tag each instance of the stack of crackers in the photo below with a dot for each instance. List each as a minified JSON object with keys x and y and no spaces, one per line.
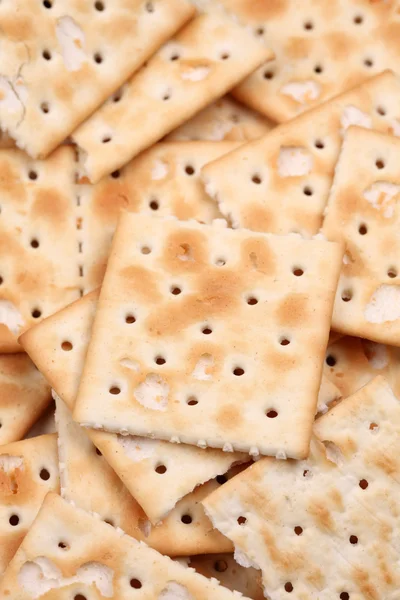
{"x":199,"y":299}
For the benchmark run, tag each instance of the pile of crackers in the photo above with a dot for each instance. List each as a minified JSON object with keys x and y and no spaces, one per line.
{"x":199,"y":299}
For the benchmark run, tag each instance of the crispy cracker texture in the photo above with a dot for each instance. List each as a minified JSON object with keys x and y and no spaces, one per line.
{"x":185,"y":347}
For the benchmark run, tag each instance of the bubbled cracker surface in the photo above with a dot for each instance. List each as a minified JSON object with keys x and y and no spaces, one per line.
{"x":284,"y":516}
{"x":61,"y":60}
{"x":363,"y":213}
{"x":280,"y":183}
{"x":58,"y":346}
{"x":193,"y":69}
{"x":197,"y":295}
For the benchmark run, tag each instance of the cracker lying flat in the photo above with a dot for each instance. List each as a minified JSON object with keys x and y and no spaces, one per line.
{"x":284,"y":516}
{"x":164,"y":180}
{"x":198,"y":66}
{"x":61,"y":60}
{"x":363,"y":213}
{"x":185,"y":348}
{"x":225,"y":119}
{"x":35,"y":197}
{"x":320,"y":50}
{"x":70,"y":554}
{"x":229,"y":573}
{"x":24,"y":394}
{"x":156,"y":473}
{"x":281,"y":182}
{"x":28,"y":471}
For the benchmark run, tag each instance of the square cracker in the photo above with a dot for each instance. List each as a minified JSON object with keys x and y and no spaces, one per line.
{"x":24,"y":395}
{"x":156,"y":473}
{"x":164,"y":180}
{"x":321,"y":49}
{"x":61,"y":59}
{"x":185,"y":359}
{"x":35,"y":197}
{"x":363,"y":212}
{"x":89,"y":482}
{"x":28,"y":471}
{"x":284,"y":516}
{"x":281,"y":182}
{"x":97,"y":561}
{"x":225,"y":119}
{"x":198,"y":66}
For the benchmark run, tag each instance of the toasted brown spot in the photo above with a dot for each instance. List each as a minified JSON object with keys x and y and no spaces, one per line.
{"x":293,"y":310}
{"x":256,"y":254}
{"x":51,"y":205}
{"x":11,"y":183}
{"x":258,"y":218}
{"x":285,"y":561}
{"x":341,"y":44}
{"x":297,"y":47}
{"x":111,"y":197}
{"x":229,"y":416}
{"x":321,"y":515}
{"x":386,"y":463}
{"x":185,"y":244}
{"x":141,"y":282}
{"x":362,"y":580}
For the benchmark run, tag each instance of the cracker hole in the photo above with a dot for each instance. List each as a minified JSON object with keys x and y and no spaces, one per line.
{"x":305,"y":472}
{"x":319,"y":144}
{"x":98,"y":452}
{"x":13,"y":520}
{"x":186,"y":519}
{"x":221,"y":479}
{"x":149,"y":7}
{"x":344,"y":596}
{"x":67,"y":346}
{"x":363,"y":483}
{"x":45,"y":108}
{"x":252,"y":301}
{"x":373,"y":426}
{"x":36,"y":313}
{"x":135,"y":583}
{"x":117,"y":96}
{"x":268,"y":74}
{"x":358,"y":20}
{"x":35,"y":243}
{"x":362,"y":229}
{"x":192,"y":401}
{"x":260,"y":31}
{"x":44,"y":474}
{"x":161,"y":469}
{"x":220,"y":262}
{"x":174,"y":56}
{"x":189,"y":170}
{"x":380,"y":164}
{"x":33,"y":175}
{"x":307,"y":191}
{"x":1,"y":280}
{"x":242,"y":520}
{"x":347,"y":295}
{"x":145,"y":250}
{"x":353,"y":539}
{"x":175,"y":290}
{"x":115,"y":390}
{"x":116,"y":174}
{"x":130,"y":319}
{"x":288,"y":587}
{"x":106,"y":139}
{"x":98,"y":58}
{"x":392,"y":272}
{"x":1,"y":424}
{"x":167,"y":96}
{"x":318,"y":69}
{"x":238,"y":371}
{"x":160,"y":360}
{"x":256,"y":179}
{"x":225,"y":56}
{"x":47,"y":3}
{"x":297,"y":271}
{"x":308,"y":25}
{"x":206,"y":330}
{"x":154,"y":205}
{"x":99,"y":6}
{"x":381,"y":111}
{"x":330,"y":360}
{"x":220,"y":565}
{"x":298,"y":530}
{"x":284,"y":341}
{"x":271,"y":413}
{"x":80,"y":597}
{"x":368,"y":62}
{"x":63,"y":545}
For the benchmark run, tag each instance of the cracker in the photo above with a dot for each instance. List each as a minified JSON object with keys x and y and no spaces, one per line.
{"x":362,"y":213}
{"x":156,"y":473}
{"x":184,"y":369}
{"x":164,"y":180}
{"x":281,"y":182}
{"x":225,"y":119}
{"x":198,"y":66}
{"x":28,"y":471}
{"x":97,"y":561}
{"x":347,"y":366}
{"x":45,"y":424}
{"x":284,"y":516}
{"x":229,"y":573}
{"x":320,"y":50}
{"x":62,"y":60}
{"x":24,"y":394}
{"x":35,"y":197}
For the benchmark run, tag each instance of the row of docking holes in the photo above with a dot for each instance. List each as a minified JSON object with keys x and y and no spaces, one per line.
{"x":98,"y":5}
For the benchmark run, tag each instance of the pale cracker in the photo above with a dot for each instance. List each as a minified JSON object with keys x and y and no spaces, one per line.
{"x":229,"y":573}
{"x":62,"y":59}
{"x":96,"y":562}
{"x":58,"y":346}
{"x":321,"y":49}
{"x":164,"y":180}
{"x":28,"y":471}
{"x":225,"y":119}
{"x":281,"y":182}
{"x":90,"y":483}
{"x":24,"y":395}
{"x":284,"y":516}
{"x":363,"y":212}
{"x":194,"y":365}
{"x":38,"y":259}
{"x":198,"y":66}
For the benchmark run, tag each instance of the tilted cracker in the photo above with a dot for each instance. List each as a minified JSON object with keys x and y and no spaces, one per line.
{"x":28,"y":471}
{"x":321,"y":49}
{"x":62,"y":59}
{"x":328,"y":393}
{"x":347,"y":366}
{"x":96,"y":561}
{"x":281,"y":182}
{"x":38,"y":259}
{"x":363,"y":213}
{"x":164,"y":180}
{"x":185,"y":349}
{"x":199,"y":65}
{"x":284,"y":516}
{"x":229,"y":573}
{"x":156,"y":473}
{"x":225,"y":119}
{"x":24,"y":395}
